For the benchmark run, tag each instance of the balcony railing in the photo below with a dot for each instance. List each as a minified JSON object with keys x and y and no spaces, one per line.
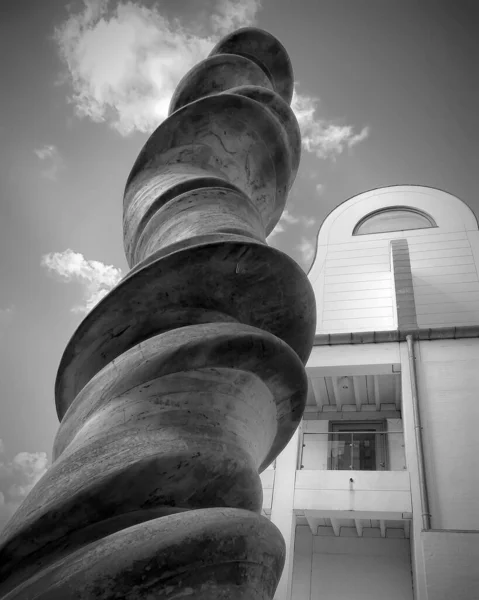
{"x":354,"y":450}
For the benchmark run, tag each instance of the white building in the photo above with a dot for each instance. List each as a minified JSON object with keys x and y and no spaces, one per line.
{"x":377,"y":494}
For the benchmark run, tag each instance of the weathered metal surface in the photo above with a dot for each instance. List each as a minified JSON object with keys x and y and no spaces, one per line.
{"x":188,"y":379}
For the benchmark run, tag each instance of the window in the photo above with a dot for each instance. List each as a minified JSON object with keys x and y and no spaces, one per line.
{"x":350,"y":446}
{"x":397,"y":218}
{"x":357,"y":446}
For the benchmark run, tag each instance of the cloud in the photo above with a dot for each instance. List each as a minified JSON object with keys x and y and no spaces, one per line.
{"x":319,"y":188}
{"x":96,"y":278}
{"x":232,"y":14}
{"x":309,"y":221}
{"x":306,"y":249}
{"x":287,"y":219}
{"x":17,"y":478}
{"x":51,"y":159}
{"x":124,"y":63}
{"x":124,"y":60}
{"x":324,"y":138}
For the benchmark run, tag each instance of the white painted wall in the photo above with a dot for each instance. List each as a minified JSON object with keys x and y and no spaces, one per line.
{"x":417,"y":559}
{"x":352,"y":277}
{"x":451,"y":559}
{"x":267,"y":480}
{"x":336,"y":568}
{"x":448,"y":376}
{"x":371,"y":491}
{"x":448,"y":373}
{"x":282,"y":513}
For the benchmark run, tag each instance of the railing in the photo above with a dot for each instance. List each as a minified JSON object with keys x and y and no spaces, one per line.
{"x":354,"y":450}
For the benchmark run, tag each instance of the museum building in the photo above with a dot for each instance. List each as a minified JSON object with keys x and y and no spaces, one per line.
{"x":377,"y":494}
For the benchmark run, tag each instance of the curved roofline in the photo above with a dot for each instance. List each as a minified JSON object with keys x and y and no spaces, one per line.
{"x":384,"y":187}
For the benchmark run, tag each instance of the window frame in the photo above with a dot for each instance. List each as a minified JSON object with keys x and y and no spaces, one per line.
{"x":409,"y":209}
{"x":380,"y":426}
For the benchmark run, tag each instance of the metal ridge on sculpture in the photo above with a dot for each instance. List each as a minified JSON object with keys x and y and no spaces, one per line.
{"x":188,"y":378}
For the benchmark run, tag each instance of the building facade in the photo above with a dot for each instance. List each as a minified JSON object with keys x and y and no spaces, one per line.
{"x":377,"y":494}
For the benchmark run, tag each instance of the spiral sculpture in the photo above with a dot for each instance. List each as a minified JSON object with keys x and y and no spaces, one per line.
{"x":188,"y":378}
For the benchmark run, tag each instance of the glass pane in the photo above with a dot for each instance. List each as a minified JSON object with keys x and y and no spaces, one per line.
{"x":365,"y":451}
{"x":315,"y":451}
{"x":393,"y":220}
{"x":353,"y":450}
{"x":341,"y":452}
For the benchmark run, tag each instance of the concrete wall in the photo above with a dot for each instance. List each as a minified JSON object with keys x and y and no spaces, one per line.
{"x":336,"y":568}
{"x":448,"y":376}
{"x":451,"y":559}
{"x":371,"y":491}
{"x":417,"y":559}
{"x":352,"y":275}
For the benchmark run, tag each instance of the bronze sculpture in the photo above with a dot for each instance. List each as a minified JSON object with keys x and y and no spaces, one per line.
{"x":187,"y":378}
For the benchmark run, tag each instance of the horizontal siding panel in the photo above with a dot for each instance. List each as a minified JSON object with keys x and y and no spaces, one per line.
{"x":462,"y":318}
{"x":437,"y":283}
{"x":442,"y":272}
{"x":358,"y":324}
{"x":440,"y":253}
{"x":359,"y":252}
{"x":385,"y":311}
{"x":439,"y":297}
{"x":358,"y":286}
{"x":347,"y":304}
{"x":358,"y":277}
{"x":442,"y":262}
{"x":450,"y":288}
{"x":382,"y":259}
{"x":450,"y":307}
{"x":435,"y":238}
{"x":359,"y":245}
{"x":353,"y":294}
{"x":377,"y":268}
{"x":430,"y":246}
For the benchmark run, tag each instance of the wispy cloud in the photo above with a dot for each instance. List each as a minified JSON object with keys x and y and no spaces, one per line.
{"x":17,"y":478}
{"x":322,"y":137}
{"x":231,"y":14}
{"x":306,"y":249}
{"x":96,"y":278}
{"x":51,"y":159}
{"x":287,"y":219}
{"x":124,"y":62}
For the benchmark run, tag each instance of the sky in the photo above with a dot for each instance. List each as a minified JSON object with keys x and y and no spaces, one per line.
{"x":386,"y":93}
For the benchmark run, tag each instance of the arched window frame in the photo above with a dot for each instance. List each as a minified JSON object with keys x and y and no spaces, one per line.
{"x":432,"y":222}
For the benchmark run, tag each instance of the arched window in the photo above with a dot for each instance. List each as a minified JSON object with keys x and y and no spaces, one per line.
{"x":395,"y":218}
